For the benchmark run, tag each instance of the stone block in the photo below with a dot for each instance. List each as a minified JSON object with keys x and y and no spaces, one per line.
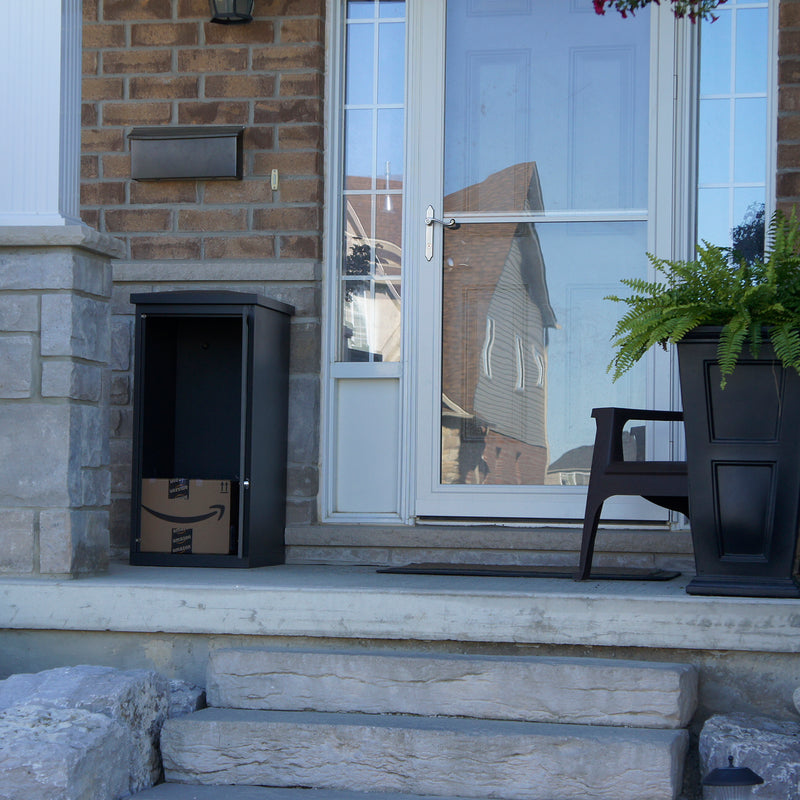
{"x":424,"y":755}
{"x":89,"y":430}
{"x":53,"y":268}
{"x":16,"y":376}
{"x":185,"y":698}
{"x":73,"y":541}
{"x":19,"y":312}
{"x":120,"y":389}
{"x":16,"y":540}
{"x":303,"y":420}
{"x":136,"y":700}
{"x":588,"y":691}
{"x":121,"y":343}
{"x":96,"y":487}
{"x":35,"y":439}
{"x":767,"y":746}
{"x":76,"y":326}
{"x":61,"y":754}
{"x":75,"y":381}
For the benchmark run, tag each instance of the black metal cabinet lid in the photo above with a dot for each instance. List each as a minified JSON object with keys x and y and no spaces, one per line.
{"x":211,"y":298}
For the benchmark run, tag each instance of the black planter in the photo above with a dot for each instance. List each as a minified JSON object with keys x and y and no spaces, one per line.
{"x":743,"y":453}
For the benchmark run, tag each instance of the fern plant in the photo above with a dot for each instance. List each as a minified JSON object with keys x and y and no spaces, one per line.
{"x":720,"y":288}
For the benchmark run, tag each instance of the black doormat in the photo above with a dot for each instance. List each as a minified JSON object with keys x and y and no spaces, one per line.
{"x":509,"y":571}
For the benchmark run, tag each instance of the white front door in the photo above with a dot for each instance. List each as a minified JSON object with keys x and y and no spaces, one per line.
{"x":535,"y":130}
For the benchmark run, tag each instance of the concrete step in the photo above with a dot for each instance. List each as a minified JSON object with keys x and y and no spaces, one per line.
{"x":584,"y":691}
{"x":423,"y":755}
{"x":185,"y":791}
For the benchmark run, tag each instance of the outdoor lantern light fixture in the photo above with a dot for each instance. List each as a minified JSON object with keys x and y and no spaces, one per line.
{"x":732,"y":783}
{"x":231,"y":12}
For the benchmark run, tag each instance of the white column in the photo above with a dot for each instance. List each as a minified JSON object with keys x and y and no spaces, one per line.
{"x":40,"y":97}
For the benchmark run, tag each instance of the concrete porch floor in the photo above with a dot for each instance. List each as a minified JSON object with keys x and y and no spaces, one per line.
{"x":346,"y":602}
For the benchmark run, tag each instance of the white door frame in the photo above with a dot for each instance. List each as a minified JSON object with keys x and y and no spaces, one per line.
{"x":425,"y":186}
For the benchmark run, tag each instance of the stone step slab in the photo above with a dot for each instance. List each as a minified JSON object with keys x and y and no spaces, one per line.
{"x":584,"y":691}
{"x":423,"y":755}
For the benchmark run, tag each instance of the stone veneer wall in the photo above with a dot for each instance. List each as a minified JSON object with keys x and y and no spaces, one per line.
{"x":161,"y":62}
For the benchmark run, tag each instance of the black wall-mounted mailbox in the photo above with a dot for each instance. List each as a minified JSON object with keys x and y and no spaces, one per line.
{"x":197,"y":151}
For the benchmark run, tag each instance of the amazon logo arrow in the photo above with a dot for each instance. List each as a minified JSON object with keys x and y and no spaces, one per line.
{"x":186,"y":520}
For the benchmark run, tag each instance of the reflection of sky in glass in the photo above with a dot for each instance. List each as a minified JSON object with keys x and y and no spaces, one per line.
{"x":359,"y":64}
{"x":554,"y":86}
{"x":732,"y":131}
{"x":585,"y":262}
{"x":391,"y":52}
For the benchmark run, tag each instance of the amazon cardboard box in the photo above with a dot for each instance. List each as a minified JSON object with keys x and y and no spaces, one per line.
{"x":179,"y":515}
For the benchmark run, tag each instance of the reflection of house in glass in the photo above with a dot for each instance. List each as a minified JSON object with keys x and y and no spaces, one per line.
{"x":496,"y":314}
{"x":370,"y":302}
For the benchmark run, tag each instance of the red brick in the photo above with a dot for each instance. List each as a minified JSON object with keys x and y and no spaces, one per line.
{"x":142,"y":9}
{"x":789,"y":98}
{"x":102,"y":194}
{"x":250,"y":86}
{"x":130,"y":61}
{"x":789,"y":15}
{"x":301,"y":163}
{"x":164,"y":34}
{"x":789,"y":127}
{"x":301,"y":190}
{"x":288,"y":56}
{"x":138,"y":219}
{"x":262,"y":138}
{"x":102,"y":88}
{"x":90,"y":63}
{"x":116,"y":165}
{"x":213,"y":220}
{"x":103,"y":36}
{"x":89,"y":10}
{"x":91,"y":216}
{"x":289,"y":110}
{"x":165,"y":247}
{"x":164,"y":192}
{"x":788,"y":71}
{"x":150,"y":88}
{"x":788,"y":185}
{"x":300,"y":137}
{"x":139,"y":113}
{"x":307,"y":84}
{"x":292,"y":8}
{"x":237,"y":193}
{"x":788,"y":43}
{"x":213,"y":112}
{"x":193,"y":8}
{"x":299,"y":246}
{"x":255,"y":32}
{"x":302,"y":30}
{"x":90,"y":167}
{"x":216,"y":59}
{"x":788,"y":156}
{"x":100,"y":140}
{"x":287,"y":219}
{"x":88,"y":115}
{"x":240,"y":247}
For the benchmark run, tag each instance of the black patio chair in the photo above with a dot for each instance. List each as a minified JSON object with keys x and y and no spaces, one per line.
{"x":664,"y":483}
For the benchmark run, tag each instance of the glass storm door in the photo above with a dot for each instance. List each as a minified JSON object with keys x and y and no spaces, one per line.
{"x":535,"y":168}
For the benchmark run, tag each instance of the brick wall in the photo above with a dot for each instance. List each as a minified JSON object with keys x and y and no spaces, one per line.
{"x":788,"y":172}
{"x":161,"y":62}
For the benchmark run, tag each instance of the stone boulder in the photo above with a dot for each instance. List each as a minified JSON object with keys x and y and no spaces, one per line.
{"x":51,"y":753}
{"x":138,"y":700}
{"x":769,"y":747}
